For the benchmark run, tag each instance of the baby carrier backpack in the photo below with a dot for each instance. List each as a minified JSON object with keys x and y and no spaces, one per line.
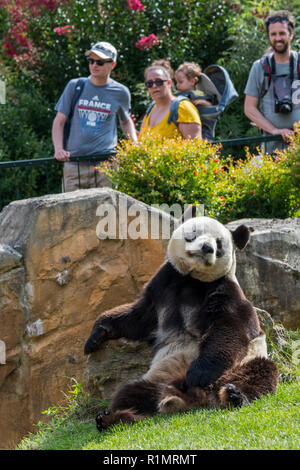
{"x":216,"y":84}
{"x":217,"y":87}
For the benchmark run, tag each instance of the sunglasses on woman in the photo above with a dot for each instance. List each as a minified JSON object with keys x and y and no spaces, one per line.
{"x":98,"y":62}
{"x":156,"y":82}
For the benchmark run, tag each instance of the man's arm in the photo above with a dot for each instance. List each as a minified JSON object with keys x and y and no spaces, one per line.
{"x":128,"y":129}
{"x":190,"y":130}
{"x":57,"y":137}
{"x":252,"y":112}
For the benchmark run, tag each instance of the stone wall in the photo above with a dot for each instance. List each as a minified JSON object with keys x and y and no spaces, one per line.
{"x":14,"y":383}
{"x":268,"y":269}
{"x":57,"y":276}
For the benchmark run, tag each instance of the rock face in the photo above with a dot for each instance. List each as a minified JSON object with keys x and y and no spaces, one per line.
{"x":117,"y":363}
{"x":14,"y":391}
{"x":56,"y":276}
{"x":268,"y":269}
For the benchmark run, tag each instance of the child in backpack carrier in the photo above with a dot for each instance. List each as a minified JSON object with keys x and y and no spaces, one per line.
{"x":187,"y":76}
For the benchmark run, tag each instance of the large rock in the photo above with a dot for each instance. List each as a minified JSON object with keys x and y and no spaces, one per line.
{"x":14,"y":385}
{"x":55,"y":278}
{"x":268,"y":269}
{"x":116,"y":363}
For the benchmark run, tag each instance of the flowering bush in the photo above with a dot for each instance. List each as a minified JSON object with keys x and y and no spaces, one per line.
{"x":63,"y":30}
{"x":194,"y":172}
{"x":172,"y":170}
{"x":136,"y":5}
{"x":147,"y":42}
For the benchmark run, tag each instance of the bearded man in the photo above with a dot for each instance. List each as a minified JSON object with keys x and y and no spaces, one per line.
{"x":273,"y":83}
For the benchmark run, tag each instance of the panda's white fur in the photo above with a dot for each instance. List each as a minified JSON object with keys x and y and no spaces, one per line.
{"x":185,"y":252}
{"x":257,"y":348}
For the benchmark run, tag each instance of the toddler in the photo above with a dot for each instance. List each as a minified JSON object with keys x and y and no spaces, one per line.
{"x":187,"y":76}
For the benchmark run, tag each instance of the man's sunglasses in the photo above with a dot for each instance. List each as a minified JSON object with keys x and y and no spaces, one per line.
{"x":98,"y":62}
{"x":280,"y":19}
{"x":156,"y":82}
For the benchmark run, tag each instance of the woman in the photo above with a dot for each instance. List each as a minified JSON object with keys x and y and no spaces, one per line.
{"x":159,"y":83}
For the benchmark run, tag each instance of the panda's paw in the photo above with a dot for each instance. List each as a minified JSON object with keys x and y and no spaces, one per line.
{"x":171,"y":404}
{"x":101,"y":421}
{"x":231,"y":396}
{"x":98,"y":336}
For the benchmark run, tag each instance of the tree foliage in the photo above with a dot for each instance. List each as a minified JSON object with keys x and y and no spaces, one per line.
{"x":42,"y":46}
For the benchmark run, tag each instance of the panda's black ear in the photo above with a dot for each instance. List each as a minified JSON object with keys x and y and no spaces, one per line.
{"x":190,"y":213}
{"x":241,"y":236}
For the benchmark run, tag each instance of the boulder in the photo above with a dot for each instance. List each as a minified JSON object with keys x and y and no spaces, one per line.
{"x":13,"y":377}
{"x":275,"y":332}
{"x":115,"y":364}
{"x":57,"y":273}
{"x":268,"y":270}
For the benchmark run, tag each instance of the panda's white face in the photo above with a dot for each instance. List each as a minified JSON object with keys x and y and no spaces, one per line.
{"x":203,"y":248}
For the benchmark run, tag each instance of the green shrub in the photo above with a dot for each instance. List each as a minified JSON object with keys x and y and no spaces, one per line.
{"x":158,"y":171}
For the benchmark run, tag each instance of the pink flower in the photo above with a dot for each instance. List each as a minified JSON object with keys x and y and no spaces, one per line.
{"x":63,"y":30}
{"x":49,"y":4}
{"x":147,"y":42}
{"x":135,"y":5}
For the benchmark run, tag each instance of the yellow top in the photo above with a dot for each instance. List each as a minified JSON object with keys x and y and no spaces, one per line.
{"x":186,"y":113}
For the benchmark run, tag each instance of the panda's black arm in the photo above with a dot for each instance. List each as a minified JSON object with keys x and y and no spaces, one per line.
{"x":219,"y":350}
{"x":134,"y":321}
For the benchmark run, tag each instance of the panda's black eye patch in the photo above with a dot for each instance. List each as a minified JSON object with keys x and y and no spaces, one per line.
{"x":220,"y":251}
{"x":190,"y":237}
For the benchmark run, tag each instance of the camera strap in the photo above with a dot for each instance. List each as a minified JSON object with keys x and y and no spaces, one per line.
{"x":269,"y":67}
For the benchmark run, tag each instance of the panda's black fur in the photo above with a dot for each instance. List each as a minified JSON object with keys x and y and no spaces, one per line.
{"x":208,"y":347}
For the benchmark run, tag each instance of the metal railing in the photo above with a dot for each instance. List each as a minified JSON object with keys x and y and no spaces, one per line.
{"x":21,"y":179}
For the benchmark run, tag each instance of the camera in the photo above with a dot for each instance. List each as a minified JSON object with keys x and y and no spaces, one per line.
{"x":284,"y":106}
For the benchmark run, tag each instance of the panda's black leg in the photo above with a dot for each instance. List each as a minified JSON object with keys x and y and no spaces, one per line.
{"x":231,"y":396}
{"x":135,"y":401}
{"x":100,"y":424}
{"x":107,"y":418}
{"x":247,"y":383}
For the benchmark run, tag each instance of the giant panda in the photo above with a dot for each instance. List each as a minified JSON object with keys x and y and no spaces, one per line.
{"x":208,"y":347}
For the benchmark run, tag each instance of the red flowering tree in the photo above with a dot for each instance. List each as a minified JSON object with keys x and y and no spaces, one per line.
{"x":147,"y":42}
{"x":48,"y":42}
{"x":136,"y":5}
{"x":42,"y":46}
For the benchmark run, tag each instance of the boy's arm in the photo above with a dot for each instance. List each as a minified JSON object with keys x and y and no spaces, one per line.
{"x":57,"y":137}
{"x":128,"y":129}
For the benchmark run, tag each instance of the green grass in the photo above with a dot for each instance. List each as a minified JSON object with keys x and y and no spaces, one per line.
{"x":271,"y":423}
